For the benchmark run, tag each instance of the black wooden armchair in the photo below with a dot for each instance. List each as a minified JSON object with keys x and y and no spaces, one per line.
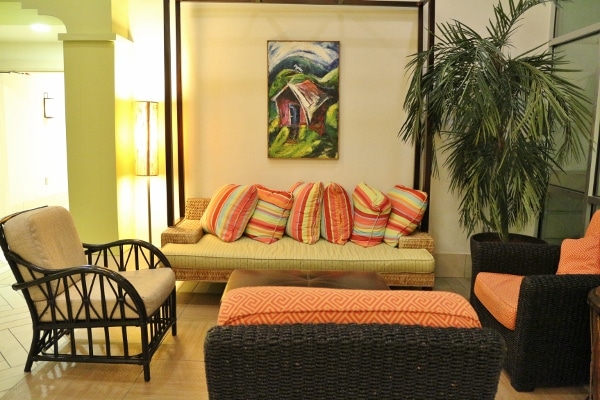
{"x":550,"y":345}
{"x":109,"y":303}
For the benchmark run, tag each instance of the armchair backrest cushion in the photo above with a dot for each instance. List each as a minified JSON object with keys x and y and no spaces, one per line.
{"x":47,"y":238}
{"x":582,"y":256}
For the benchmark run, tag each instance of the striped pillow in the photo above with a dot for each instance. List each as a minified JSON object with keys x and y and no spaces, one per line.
{"x":408,"y":207}
{"x":371,"y":213}
{"x":304,"y":223}
{"x":336,"y":215}
{"x":267,"y":223}
{"x":229,"y":210}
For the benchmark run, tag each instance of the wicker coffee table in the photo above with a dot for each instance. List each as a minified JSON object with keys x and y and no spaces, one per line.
{"x":322,"y":279}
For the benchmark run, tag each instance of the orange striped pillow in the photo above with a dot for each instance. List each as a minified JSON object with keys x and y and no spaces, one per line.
{"x":371,"y":213}
{"x":336,"y":216}
{"x":267,"y":223}
{"x":229,"y":210}
{"x":289,"y":305}
{"x":580,"y":256}
{"x":304,"y":222}
{"x":408,"y":207}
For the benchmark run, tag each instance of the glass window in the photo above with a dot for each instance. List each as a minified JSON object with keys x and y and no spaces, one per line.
{"x":576,"y":14}
{"x":583,"y":55}
{"x":569,"y":200}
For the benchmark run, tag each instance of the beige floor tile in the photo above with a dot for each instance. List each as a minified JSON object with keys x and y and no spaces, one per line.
{"x":12,"y":351}
{"x":177,"y":368}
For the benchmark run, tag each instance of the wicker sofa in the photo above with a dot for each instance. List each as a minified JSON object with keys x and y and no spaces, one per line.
{"x":195,"y":255}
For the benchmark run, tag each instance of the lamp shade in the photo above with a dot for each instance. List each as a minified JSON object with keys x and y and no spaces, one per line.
{"x":146,"y":138}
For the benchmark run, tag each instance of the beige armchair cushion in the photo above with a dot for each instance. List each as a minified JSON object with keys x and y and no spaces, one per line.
{"x":153,"y":286}
{"x":46,"y":237}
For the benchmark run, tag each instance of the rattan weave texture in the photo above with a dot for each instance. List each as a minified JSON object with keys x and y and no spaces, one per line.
{"x":350,"y":361}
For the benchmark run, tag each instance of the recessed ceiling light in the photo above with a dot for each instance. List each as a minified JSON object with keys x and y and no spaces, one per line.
{"x":40,"y":28}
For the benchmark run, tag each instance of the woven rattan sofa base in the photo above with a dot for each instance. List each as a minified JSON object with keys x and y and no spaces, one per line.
{"x":417,"y":280}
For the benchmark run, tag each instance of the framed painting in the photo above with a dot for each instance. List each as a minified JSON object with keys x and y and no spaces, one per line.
{"x":303,"y":96}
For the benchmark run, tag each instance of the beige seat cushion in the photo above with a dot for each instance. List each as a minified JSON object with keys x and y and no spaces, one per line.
{"x":153,"y":286}
{"x":499,"y":293}
{"x":211,"y":253}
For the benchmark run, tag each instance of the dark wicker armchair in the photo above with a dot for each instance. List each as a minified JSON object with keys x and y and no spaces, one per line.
{"x":110,"y":303}
{"x":352,"y":361}
{"x":550,"y":345}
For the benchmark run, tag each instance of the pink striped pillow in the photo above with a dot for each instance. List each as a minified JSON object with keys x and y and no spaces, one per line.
{"x":336,"y":215}
{"x":229,"y":210}
{"x":371,"y":213}
{"x":408,"y":207}
{"x":304,"y":223}
{"x":267,"y":223}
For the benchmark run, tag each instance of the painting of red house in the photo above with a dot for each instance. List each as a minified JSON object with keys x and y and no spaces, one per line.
{"x":302,"y":104}
{"x":303,"y":95}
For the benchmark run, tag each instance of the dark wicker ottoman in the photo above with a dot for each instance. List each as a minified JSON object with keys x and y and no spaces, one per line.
{"x":323,"y":279}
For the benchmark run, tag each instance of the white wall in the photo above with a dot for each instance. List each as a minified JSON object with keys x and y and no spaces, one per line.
{"x":225,"y":92}
{"x":225,"y":102}
{"x":33,"y":165}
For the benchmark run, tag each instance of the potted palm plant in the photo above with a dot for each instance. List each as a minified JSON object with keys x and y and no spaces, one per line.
{"x":505,"y":123}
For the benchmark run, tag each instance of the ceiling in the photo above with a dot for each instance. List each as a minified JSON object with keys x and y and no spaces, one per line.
{"x":15,"y":24}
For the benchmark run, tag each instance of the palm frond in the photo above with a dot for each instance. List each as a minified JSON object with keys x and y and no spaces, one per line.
{"x":506,"y":123}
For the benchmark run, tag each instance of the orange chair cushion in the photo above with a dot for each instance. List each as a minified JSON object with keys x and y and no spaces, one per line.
{"x":499,"y":293}
{"x":288,"y":305}
{"x":580,"y":256}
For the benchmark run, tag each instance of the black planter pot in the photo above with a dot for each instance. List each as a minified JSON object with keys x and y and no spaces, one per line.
{"x":521,"y":255}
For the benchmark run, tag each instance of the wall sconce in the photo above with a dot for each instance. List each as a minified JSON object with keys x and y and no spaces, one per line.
{"x":49,"y":111}
{"x":146,"y":147}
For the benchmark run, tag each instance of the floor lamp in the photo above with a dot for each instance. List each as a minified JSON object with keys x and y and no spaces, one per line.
{"x":146,"y":147}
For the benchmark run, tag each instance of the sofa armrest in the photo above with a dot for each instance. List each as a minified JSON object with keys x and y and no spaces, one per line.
{"x":515,"y":258}
{"x":195,"y":207}
{"x":188,"y":231}
{"x":417,"y":240}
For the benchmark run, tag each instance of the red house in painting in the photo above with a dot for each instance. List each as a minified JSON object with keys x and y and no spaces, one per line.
{"x":302,"y":104}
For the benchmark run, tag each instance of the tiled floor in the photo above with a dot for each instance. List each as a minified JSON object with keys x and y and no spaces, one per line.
{"x":176,"y":360}
{"x":15,"y":330}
